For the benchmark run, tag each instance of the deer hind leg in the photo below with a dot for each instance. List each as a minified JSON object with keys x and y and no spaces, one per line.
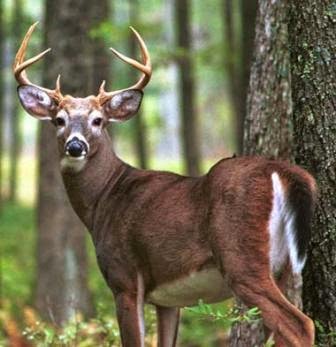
{"x":168,"y":321}
{"x":290,"y":326}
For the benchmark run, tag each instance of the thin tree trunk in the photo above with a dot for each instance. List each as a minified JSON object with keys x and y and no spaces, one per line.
{"x":62,"y":263}
{"x":2,"y":36}
{"x":312,"y":33}
{"x":189,"y":130}
{"x":267,"y":124}
{"x":139,"y":124}
{"x":2,"y":91}
{"x":237,"y":59}
{"x":101,"y":56}
{"x":15,"y":133}
{"x":249,"y":10}
{"x":233,"y":68}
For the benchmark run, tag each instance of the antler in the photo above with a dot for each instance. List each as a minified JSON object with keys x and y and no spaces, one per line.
{"x":145,"y":68}
{"x":20,"y":66}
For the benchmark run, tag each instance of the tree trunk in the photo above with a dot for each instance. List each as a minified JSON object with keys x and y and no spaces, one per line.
{"x":312,"y":33}
{"x":267,"y":124}
{"x":189,"y":131}
{"x":237,"y":59}
{"x":62,"y":264}
{"x":101,"y":56}
{"x":15,"y":133}
{"x":2,"y":80}
{"x":139,"y":124}
{"x":248,"y":13}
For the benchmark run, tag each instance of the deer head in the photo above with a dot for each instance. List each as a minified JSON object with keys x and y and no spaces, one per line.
{"x":79,"y":121}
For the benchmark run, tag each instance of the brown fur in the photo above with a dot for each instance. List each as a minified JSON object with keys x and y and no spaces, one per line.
{"x":165,"y":226}
{"x":152,"y":228}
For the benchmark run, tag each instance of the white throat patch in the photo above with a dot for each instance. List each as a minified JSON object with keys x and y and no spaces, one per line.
{"x":73,"y":164}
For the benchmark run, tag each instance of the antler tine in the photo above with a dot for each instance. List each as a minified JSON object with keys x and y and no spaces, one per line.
{"x":145,"y":68}
{"x":19,"y":69}
{"x":20,"y":66}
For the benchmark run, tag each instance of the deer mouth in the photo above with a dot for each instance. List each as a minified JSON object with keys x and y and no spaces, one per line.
{"x":76,"y":148}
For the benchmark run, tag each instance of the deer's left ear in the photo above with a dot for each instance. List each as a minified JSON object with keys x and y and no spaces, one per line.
{"x":123,"y":105}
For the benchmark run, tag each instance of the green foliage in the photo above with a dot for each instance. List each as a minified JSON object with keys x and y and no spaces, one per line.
{"x":101,"y":331}
{"x":226,"y":315}
{"x":204,"y":324}
{"x":17,"y":262}
{"x":325,"y":336}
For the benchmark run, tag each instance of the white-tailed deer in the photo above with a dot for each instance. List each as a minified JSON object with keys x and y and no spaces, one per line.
{"x":170,"y":240}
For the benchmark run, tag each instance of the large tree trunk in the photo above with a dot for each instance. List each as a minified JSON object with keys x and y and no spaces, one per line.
{"x":312,"y":33}
{"x":15,"y":133}
{"x":62,"y":265}
{"x":267,"y":124}
{"x":189,"y":131}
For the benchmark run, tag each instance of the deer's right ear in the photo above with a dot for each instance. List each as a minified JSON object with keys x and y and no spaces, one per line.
{"x":36,"y":102}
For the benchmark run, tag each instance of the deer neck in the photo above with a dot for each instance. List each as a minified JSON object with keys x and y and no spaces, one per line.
{"x":86,"y":186}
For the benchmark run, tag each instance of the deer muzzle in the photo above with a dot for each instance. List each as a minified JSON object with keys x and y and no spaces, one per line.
{"x":76,"y":148}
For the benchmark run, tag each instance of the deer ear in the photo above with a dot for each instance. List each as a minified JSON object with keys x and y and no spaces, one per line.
{"x":123,"y":105}
{"x":36,"y":102}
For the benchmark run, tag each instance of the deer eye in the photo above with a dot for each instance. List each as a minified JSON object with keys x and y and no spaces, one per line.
{"x":60,"y":122}
{"x":97,"y":122}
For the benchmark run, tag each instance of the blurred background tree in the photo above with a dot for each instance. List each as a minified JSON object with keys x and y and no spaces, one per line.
{"x":61,"y":288}
{"x":17,"y":31}
{"x":2,"y":73}
{"x":197,"y":109}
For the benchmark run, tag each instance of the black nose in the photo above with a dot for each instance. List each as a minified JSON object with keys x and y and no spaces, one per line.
{"x":75,"y":148}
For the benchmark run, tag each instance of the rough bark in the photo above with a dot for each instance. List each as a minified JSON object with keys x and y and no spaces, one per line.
{"x":140,"y":143}
{"x":62,"y":265}
{"x":189,"y":131}
{"x":237,"y":59}
{"x":312,"y":32}
{"x":15,"y":133}
{"x":267,"y":124}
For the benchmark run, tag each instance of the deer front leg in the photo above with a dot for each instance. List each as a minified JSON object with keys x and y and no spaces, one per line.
{"x":130,"y":314}
{"x":130,"y":320}
{"x":168,"y":321}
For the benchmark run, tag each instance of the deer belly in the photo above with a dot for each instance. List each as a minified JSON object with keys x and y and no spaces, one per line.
{"x":208,"y":285}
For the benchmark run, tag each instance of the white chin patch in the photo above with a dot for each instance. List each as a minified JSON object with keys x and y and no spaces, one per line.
{"x":74,"y":164}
